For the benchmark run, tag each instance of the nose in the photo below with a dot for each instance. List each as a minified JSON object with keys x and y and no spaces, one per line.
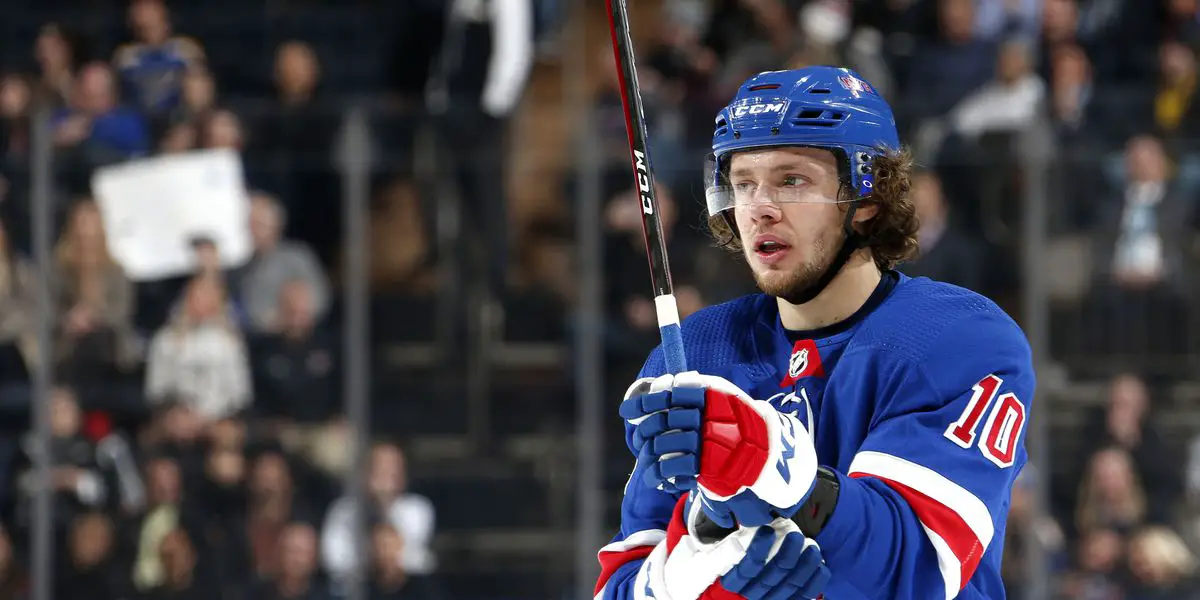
{"x":763,"y":207}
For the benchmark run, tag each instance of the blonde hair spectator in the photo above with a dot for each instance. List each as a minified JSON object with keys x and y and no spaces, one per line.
{"x":1111,"y":494}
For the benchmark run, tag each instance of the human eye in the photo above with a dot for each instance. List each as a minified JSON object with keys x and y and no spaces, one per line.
{"x":793,"y":181}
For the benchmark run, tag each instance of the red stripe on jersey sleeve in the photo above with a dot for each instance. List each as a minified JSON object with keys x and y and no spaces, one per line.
{"x":943,"y":521}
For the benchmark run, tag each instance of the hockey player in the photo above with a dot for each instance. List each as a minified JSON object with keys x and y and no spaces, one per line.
{"x":850,"y":431}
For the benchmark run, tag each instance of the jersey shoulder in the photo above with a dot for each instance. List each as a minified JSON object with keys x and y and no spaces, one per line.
{"x":948,"y":331}
{"x":718,"y":336}
{"x":923,"y":316}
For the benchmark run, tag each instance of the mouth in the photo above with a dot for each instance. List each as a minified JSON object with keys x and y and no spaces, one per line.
{"x":767,"y":246}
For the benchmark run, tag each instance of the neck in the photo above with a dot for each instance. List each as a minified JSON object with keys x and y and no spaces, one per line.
{"x":847,"y":293}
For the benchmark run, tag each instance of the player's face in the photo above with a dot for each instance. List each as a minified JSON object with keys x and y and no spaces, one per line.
{"x":788,"y":244}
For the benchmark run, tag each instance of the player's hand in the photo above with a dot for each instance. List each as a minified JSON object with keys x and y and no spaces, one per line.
{"x":771,"y":562}
{"x":778,"y":564}
{"x":666,"y":434}
{"x":750,"y":462}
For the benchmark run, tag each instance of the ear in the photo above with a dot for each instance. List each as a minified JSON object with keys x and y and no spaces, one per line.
{"x":865,"y":211}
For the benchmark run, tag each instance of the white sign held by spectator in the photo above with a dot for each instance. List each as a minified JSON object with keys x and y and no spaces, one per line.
{"x":153,"y":208}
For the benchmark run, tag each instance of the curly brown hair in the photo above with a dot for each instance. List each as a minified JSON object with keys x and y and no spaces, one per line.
{"x":891,"y":234}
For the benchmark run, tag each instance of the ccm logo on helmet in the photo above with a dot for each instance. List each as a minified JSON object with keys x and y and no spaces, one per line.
{"x":643,"y":180}
{"x":758,"y":109}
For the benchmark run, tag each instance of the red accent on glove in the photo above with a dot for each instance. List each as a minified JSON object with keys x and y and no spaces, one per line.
{"x":734,"y":444}
{"x":717,"y":592}
{"x":677,"y":527}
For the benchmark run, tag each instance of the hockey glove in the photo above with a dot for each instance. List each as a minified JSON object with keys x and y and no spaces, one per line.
{"x":750,"y":462}
{"x":758,"y":563}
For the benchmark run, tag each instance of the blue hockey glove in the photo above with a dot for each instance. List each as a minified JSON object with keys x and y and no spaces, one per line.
{"x":666,"y":434}
{"x":750,"y":463}
{"x":773,"y":562}
{"x":780,"y":564}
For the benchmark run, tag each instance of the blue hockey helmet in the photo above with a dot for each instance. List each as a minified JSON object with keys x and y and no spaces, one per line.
{"x":821,"y":107}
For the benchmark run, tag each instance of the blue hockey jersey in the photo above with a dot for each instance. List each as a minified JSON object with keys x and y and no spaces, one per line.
{"x":918,"y":402}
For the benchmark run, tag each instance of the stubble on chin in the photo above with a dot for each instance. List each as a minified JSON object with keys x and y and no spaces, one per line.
{"x":796,"y":283}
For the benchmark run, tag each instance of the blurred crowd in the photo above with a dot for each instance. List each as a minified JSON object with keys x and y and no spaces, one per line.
{"x":199,"y":434}
{"x":198,"y":445}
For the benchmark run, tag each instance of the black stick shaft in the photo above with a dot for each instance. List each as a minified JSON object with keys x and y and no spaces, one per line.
{"x":635,"y":124}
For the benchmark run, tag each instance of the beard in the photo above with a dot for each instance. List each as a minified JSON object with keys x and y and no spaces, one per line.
{"x":805,"y":283}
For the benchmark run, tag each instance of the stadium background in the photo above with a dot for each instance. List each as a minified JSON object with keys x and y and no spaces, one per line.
{"x":461,"y":278}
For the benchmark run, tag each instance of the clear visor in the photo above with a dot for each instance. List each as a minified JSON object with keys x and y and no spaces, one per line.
{"x":764,"y":183}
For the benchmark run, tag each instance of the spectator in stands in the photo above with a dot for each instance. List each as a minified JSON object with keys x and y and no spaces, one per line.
{"x":1028,"y":530}
{"x":95,"y":125}
{"x":475,"y":98}
{"x":1060,"y":21}
{"x":180,"y":137}
{"x":1176,"y":109}
{"x":58,"y":54}
{"x":163,"y":515}
{"x":1140,"y":267}
{"x":225,"y":473}
{"x":389,"y":580}
{"x":292,"y":143}
{"x":184,"y":576}
{"x":297,"y":577}
{"x":208,"y":257}
{"x":390,"y":502}
{"x":17,"y":312}
{"x":177,"y":430}
{"x":947,"y":253}
{"x":1111,"y":496}
{"x":1098,"y":573}
{"x":1078,"y":119}
{"x":297,"y":384}
{"x":949,"y":67}
{"x":199,"y":96}
{"x":221,"y":130}
{"x":300,"y":128}
{"x":199,"y":356}
{"x":749,"y":37}
{"x":1160,"y":564}
{"x":1181,"y":20}
{"x":95,"y":302}
{"x":1006,"y":104}
{"x":93,"y":570}
{"x":152,"y":68}
{"x":273,"y":503}
{"x":1124,"y":423}
{"x":275,"y":263}
{"x":823,"y":28}
{"x":15,"y":102}
{"x":631,"y":309}
{"x":78,"y":481}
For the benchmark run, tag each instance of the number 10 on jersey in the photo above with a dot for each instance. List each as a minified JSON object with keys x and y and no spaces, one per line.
{"x":1001,"y":431}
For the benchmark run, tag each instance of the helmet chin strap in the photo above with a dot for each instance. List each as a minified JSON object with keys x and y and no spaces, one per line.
{"x":852,"y":241}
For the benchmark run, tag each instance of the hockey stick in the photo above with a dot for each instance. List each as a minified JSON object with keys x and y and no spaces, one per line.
{"x":639,"y":152}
